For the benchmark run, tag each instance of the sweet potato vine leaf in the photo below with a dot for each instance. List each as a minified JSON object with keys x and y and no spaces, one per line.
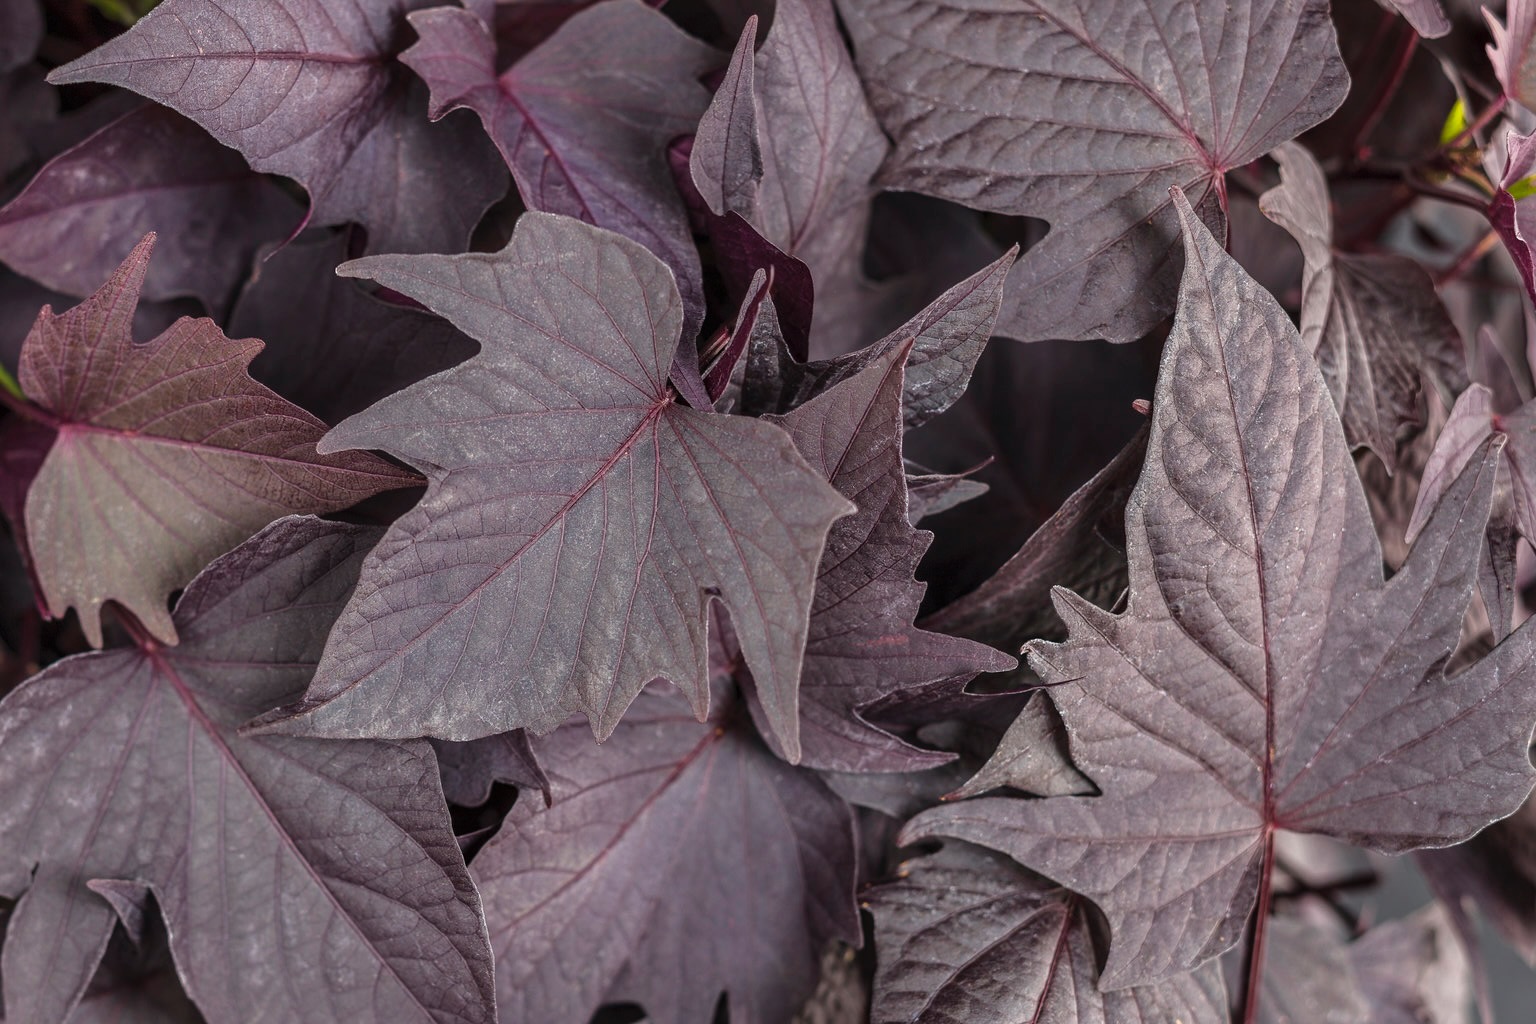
{"x":969,"y":936}
{"x":165,"y":455}
{"x":578,"y":520}
{"x":301,"y":880}
{"x":1085,"y":115}
{"x":149,"y":170}
{"x":1263,"y":676}
{"x":311,"y":89}
{"x":1373,"y":321}
{"x":677,"y":861}
{"x":584,"y":134}
{"x":862,"y":645}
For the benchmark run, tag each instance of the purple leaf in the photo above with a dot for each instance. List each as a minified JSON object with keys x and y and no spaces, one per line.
{"x":676,"y":861}
{"x":1426,"y":16}
{"x":968,"y":936}
{"x":331,"y":347}
{"x":137,"y":983}
{"x":947,"y":338}
{"x":167,"y":455}
{"x":928,"y":494}
{"x":149,"y":170}
{"x":1263,"y":677}
{"x":726,"y":161}
{"x":862,"y":644}
{"x":790,"y":145}
{"x":1086,"y":115}
{"x":469,"y":769}
{"x":577,"y":521}
{"x":1510,"y":52}
{"x":310,"y":89}
{"x":1511,"y":218}
{"x":1372,"y":321}
{"x":1031,"y":757}
{"x":300,"y":880}
{"x":1068,"y":550}
{"x":585,"y":135}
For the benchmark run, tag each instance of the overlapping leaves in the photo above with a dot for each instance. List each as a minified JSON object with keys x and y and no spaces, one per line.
{"x":1264,"y":676}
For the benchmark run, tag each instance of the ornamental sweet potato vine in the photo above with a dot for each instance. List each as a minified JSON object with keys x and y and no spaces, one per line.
{"x":847,"y":511}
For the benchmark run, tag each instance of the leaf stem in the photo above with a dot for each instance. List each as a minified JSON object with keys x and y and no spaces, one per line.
{"x":1468,"y":259}
{"x":18,"y":404}
{"x":1253,"y":958}
{"x":1401,"y":62}
{"x":1482,"y":121}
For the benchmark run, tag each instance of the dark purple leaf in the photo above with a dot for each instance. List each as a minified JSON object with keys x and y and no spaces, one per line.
{"x":929,"y":494}
{"x":947,"y":339}
{"x":1512,"y":218}
{"x":1372,"y":321}
{"x":469,"y":769}
{"x":21,"y":29}
{"x":26,"y":103}
{"x":1085,"y":115}
{"x":578,"y":520}
{"x":332,"y":348}
{"x":310,"y":89}
{"x":790,"y":145}
{"x":149,"y":170}
{"x":584,"y":134}
{"x":300,"y":880}
{"x":862,"y":644}
{"x":1031,"y":757}
{"x":676,"y":861}
{"x":1068,"y":550}
{"x":167,"y":454}
{"x":968,"y":937}
{"x":1263,"y":677}
{"x":726,"y":161}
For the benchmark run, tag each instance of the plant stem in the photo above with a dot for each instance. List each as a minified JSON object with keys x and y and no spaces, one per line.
{"x":1253,"y":958}
{"x":1378,"y":110}
{"x":1468,"y":259}
{"x":26,"y":410}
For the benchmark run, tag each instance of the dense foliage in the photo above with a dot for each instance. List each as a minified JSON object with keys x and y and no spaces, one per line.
{"x":816,"y":511}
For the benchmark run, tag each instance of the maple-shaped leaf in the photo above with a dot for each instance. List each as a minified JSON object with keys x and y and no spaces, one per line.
{"x":148,"y":170}
{"x":311,"y":89}
{"x":1263,"y":677}
{"x":300,"y":880}
{"x":166,"y":454}
{"x":677,"y":860}
{"x":584,"y":133}
{"x":578,"y":519}
{"x":1372,"y":321}
{"x":862,"y":644}
{"x":969,"y":936}
{"x":331,"y":347}
{"x":1085,"y":115}
{"x":790,"y":144}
